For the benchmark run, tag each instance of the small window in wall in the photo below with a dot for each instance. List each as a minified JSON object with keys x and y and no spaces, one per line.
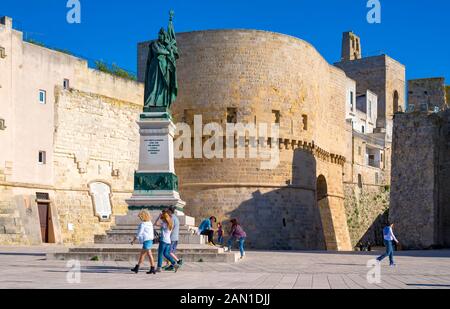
{"x":2,"y":52}
{"x":376,"y":178}
{"x":360,"y":182}
{"x":351,"y":101}
{"x":188,"y":116}
{"x":42,"y":96}
{"x":305,"y":122}
{"x":396,"y":102}
{"x":359,"y":150}
{"x":66,"y":84}
{"x":276,"y":116}
{"x":231,"y":115}
{"x":42,"y":159}
{"x":370,"y":109}
{"x":363,"y":129}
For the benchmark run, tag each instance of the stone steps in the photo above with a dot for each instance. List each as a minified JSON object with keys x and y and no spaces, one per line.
{"x":189,"y":253}
{"x":126,"y":237}
{"x":115,"y":245}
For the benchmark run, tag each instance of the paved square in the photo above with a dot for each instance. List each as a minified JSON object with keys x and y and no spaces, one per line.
{"x":22,"y":267}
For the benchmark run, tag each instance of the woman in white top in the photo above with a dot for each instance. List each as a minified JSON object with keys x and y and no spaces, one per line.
{"x":164,"y":242}
{"x":145,"y":236}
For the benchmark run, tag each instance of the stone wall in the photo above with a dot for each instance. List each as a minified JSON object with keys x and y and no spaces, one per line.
{"x":11,"y":230}
{"x":415,"y":186}
{"x":96,"y":139}
{"x":443,"y":172}
{"x":367,"y":212}
{"x":259,"y":73}
{"x":430,"y":91}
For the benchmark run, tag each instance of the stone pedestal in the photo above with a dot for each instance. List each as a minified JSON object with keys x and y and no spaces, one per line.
{"x":155,"y":182}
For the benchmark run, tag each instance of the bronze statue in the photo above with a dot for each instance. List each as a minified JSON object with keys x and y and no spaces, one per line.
{"x":161,"y":87}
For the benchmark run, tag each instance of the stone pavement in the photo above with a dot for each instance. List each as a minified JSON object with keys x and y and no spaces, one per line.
{"x":22,"y":267}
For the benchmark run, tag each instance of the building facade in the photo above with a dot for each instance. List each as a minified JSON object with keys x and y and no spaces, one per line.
{"x":71,"y":142}
{"x":68,"y":143}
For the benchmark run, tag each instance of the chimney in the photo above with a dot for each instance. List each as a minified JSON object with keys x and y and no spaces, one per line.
{"x":6,"y":21}
{"x":351,"y":47}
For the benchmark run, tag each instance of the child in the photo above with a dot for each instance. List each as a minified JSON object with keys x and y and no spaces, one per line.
{"x":219,"y":233}
{"x":237,"y":233}
{"x":145,"y":236}
{"x":165,"y":242}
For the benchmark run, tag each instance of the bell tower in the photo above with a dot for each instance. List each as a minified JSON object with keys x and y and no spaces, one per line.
{"x":351,"y":46}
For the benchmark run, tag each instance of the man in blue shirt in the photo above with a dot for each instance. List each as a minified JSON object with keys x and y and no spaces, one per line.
{"x":205,"y":228}
{"x":389,"y":237}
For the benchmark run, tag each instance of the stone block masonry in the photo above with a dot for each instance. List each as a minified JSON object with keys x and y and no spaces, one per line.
{"x":430,"y":91}
{"x":96,"y":139}
{"x":420,"y":197}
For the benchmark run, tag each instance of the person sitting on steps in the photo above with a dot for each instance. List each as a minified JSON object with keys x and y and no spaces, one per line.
{"x":205,"y":228}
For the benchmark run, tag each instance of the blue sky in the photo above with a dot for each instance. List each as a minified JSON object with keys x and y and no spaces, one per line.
{"x":415,"y":32}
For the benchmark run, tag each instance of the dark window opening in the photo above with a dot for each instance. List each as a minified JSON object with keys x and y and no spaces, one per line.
{"x":231,"y":115}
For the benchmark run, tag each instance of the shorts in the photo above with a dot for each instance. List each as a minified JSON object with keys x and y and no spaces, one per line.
{"x":147,"y":245}
{"x":173,"y":246}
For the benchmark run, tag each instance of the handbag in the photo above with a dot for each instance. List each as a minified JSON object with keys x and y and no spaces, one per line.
{"x":157,"y":236}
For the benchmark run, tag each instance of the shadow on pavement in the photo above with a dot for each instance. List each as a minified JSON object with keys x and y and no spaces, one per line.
{"x":429,"y":285}
{"x":21,"y":254}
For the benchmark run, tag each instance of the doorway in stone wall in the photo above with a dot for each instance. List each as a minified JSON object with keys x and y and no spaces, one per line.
{"x":45,"y":217}
{"x":43,"y":209}
{"x":323,"y":203}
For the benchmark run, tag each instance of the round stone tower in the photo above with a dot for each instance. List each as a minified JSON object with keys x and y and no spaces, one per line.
{"x":248,"y":76}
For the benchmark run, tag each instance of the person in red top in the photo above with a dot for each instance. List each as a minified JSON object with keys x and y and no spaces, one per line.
{"x":237,"y":233}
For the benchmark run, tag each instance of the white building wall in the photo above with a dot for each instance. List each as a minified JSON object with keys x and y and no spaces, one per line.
{"x":27,"y":69}
{"x":350,"y":105}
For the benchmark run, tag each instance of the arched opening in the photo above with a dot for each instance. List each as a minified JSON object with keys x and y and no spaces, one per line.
{"x":396,"y":107}
{"x":325,"y":213}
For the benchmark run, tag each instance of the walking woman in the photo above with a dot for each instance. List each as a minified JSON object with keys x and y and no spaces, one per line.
{"x":237,"y":233}
{"x":166,"y":223}
{"x":145,"y":236}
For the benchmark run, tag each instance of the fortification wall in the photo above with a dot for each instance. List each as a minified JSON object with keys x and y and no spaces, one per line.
{"x":429,"y":91}
{"x":258,"y":73}
{"x":96,"y":139}
{"x":415,"y":185}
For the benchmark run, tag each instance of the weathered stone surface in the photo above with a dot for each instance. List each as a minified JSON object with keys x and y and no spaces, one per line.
{"x":367,"y":211}
{"x":429,"y":91}
{"x":420,"y":197}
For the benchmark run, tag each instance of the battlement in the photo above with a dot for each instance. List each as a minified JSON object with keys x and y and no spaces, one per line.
{"x":428,"y":92}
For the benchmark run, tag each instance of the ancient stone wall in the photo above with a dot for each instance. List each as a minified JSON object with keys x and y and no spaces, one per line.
{"x":414,"y":193}
{"x":96,"y":139}
{"x":443,"y":172}
{"x":367,"y":211}
{"x":429,"y":91}
{"x":259,"y":74}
